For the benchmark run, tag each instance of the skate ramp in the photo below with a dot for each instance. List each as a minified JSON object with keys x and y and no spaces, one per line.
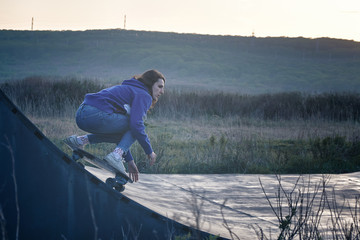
{"x":239,"y":200}
{"x":46,"y":195}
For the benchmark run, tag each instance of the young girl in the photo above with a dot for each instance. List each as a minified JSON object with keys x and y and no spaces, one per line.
{"x":116,"y":115}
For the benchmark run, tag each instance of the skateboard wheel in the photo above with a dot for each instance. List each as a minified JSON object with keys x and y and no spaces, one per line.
{"x":115,"y":185}
{"x":120,"y":188}
{"x":110,"y":182}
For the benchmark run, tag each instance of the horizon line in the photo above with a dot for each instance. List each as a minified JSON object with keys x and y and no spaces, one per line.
{"x":189,"y":33}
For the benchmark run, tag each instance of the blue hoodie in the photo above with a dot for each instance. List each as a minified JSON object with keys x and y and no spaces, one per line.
{"x":113,"y":99}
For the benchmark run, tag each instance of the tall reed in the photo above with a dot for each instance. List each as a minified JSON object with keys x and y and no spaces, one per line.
{"x":49,"y":97}
{"x":43,"y":96}
{"x":277,"y":106}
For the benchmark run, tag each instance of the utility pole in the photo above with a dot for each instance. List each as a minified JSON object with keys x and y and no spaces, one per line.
{"x":32,"y":23}
{"x":124,"y":21}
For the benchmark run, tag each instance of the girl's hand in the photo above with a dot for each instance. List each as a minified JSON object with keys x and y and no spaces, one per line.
{"x":133,"y":171}
{"x":152,"y":158}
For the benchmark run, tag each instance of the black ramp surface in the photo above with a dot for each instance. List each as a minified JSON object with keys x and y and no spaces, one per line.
{"x":46,"y":195}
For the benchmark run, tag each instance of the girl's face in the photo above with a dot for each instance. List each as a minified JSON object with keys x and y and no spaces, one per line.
{"x":158,"y":89}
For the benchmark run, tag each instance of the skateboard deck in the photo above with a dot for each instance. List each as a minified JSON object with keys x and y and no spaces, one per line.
{"x":117,"y":182}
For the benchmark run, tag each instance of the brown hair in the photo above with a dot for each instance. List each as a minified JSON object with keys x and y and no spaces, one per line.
{"x":149,"y":78}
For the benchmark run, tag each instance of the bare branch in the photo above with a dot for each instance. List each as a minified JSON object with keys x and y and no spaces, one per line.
{"x":8,"y":146}
{"x":225,"y":223}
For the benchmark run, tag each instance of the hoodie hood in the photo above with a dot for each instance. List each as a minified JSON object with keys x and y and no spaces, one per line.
{"x":135,"y":83}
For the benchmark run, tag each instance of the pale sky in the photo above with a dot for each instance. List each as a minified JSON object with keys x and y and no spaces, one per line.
{"x":273,"y":18}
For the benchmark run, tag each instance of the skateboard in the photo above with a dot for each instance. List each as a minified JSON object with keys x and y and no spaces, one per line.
{"x":118,"y":182}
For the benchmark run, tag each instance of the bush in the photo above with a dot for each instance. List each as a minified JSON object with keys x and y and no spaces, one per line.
{"x":335,"y":155}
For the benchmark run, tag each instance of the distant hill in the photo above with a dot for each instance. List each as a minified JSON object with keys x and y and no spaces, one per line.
{"x":226,"y":63}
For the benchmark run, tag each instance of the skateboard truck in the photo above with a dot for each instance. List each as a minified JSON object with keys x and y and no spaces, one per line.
{"x":116,"y":183}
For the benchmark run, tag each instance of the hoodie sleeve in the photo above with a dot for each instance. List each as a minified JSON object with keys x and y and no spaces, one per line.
{"x":128,"y":157}
{"x":140,"y":105}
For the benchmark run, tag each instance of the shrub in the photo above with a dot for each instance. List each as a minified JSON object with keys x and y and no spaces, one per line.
{"x":335,"y":155}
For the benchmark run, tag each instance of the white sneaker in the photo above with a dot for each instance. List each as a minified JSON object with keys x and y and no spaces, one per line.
{"x":116,"y":161}
{"x":73,"y":142}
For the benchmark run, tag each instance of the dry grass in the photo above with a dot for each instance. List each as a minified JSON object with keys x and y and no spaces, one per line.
{"x":56,"y":128}
{"x":237,"y":129}
{"x":233,"y":128}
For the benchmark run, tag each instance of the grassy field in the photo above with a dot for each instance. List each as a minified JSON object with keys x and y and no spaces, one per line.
{"x":210,"y":132}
